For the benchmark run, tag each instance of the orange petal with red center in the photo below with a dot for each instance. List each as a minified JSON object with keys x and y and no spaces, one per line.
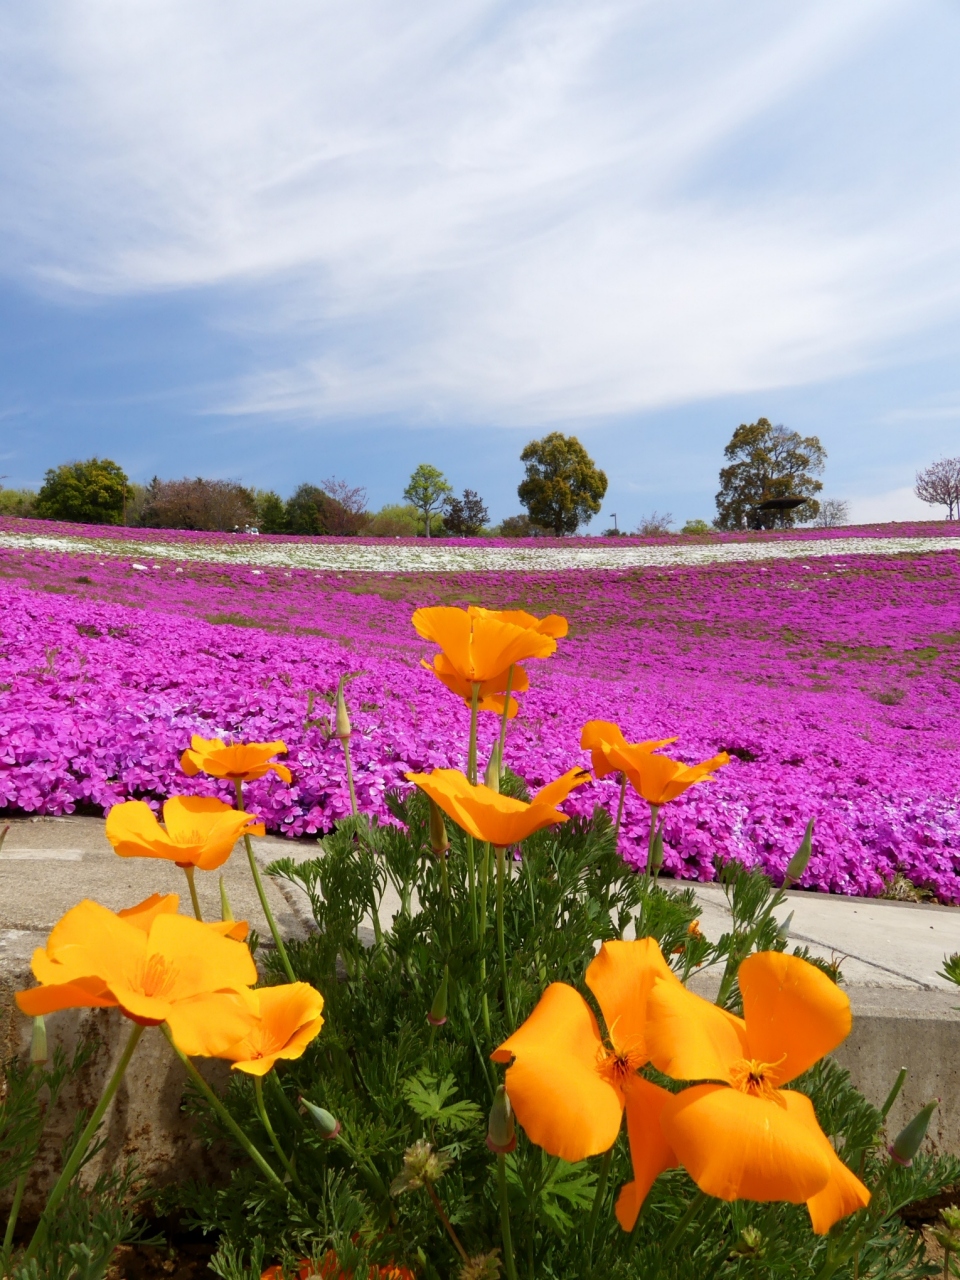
{"x":739,"y":1147}
{"x":689,"y":1038}
{"x":650,"y":1152}
{"x":561,"y":1100}
{"x":791,"y":1008}
{"x":621,"y":976}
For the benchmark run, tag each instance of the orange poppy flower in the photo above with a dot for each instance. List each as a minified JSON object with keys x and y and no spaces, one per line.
{"x":242,"y":761}
{"x":748,"y":1138}
{"x":568,"y":1086}
{"x":554,"y":624}
{"x":200,"y":831}
{"x":290,"y":1017}
{"x":145,"y":912}
{"x":492,"y":692}
{"x":175,"y":970}
{"x":477,"y":645}
{"x":329,"y":1269}
{"x":657,"y":778}
{"x":487,"y":815}
{"x":597,"y":736}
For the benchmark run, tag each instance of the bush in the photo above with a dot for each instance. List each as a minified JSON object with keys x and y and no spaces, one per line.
{"x":90,"y":492}
{"x":17,"y":502}
{"x":654,"y":525}
{"x":522,"y":527}
{"x":697,"y":528}
{"x":202,"y":505}
{"x":271,"y":512}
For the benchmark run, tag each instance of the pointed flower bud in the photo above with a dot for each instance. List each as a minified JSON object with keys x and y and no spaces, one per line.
{"x":343,"y":720}
{"x":225,"y":911}
{"x":501,"y":1129}
{"x":798,"y":863}
{"x":656,"y":853}
{"x":438,"y":1010}
{"x":907,"y":1142}
{"x":492,"y":776}
{"x":438,"y":832}
{"x":329,"y":1126}
{"x":38,"y":1042}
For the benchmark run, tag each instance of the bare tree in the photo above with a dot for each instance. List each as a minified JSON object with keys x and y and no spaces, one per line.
{"x":940,"y":485}
{"x":655,"y":525}
{"x":347,"y":514}
{"x":833,"y":511}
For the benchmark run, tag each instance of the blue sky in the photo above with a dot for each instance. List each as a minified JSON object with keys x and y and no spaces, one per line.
{"x":281,"y":242}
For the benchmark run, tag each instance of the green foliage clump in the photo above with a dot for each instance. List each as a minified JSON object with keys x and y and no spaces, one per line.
{"x":90,"y":492}
{"x":765,"y":462}
{"x":563,"y":487}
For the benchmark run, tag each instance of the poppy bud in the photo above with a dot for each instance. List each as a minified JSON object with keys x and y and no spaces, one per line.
{"x":329,"y":1127}
{"x":225,"y":912}
{"x":38,"y":1042}
{"x":492,"y":776}
{"x":438,"y":1010}
{"x":798,"y":863}
{"x":783,"y":929}
{"x":438,"y":832}
{"x":343,"y":720}
{"x":501,"y":1130}
{"x":656,"y":853}
{"x":907,"y":1142}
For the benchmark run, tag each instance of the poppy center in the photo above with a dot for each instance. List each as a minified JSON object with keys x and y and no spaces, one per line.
{"x":758,"y":1079}
{"x":619,"y":1061}
{"x":186,"y":839}
{"x":158,"y":978}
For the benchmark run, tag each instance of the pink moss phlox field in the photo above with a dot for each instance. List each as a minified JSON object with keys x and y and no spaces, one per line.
{"x":834,"y":684}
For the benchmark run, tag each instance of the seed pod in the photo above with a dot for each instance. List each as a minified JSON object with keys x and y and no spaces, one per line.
{"x":438,"y":831}
{"x":438,"y":1010}
{"x":501,"y":1129}
{"x":343,"y":720}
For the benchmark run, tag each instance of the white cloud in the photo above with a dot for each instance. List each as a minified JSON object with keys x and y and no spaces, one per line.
{"x":450,"y":208}
{"x":897,"y":504}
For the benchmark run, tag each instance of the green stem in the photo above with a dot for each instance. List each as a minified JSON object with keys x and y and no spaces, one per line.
{"x":261,"y":892}
{"x":505,"y":717}
{"x":472,"y":747}
{"x":623,"y":796}
{"x":188,"y":871}
{"x":501,"y":947}
{"x":83,"y":1142}
{"x":291,"y":1112}
{"x":472,"y":887}
{"x":654,"y":811}
{"x":435,"y":1200}
{"x":12,"y":1223}
{"x":505,"y":1231}
{"x":222,"y":1112}
{"x":692,"y":1209}
{"x":598,"y":1201}
{"x":484,"y":885}
{"x":349,"y":764}
{"x":271,"y":1134}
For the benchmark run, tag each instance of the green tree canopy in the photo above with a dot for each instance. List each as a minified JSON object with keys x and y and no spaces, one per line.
{"x":768,"y":462}
{"x":427,"y":491}
{"x":563,"y":487}
{"x":271,"y":512}
{"x":90,"y":492}
{"x":465,"y":517}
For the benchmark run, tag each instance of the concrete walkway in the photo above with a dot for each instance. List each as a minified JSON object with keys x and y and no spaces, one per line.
{"x":905,"y":1013}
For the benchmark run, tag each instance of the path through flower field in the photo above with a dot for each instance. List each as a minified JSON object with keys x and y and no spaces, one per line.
{"x":833,"y":681}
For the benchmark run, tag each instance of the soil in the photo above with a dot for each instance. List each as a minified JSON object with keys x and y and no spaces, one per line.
{"x":184,"y":1261}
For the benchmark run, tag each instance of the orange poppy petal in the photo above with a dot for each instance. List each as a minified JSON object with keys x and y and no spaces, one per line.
{"x":191,"y":817}
{"x":554,"y":624}
{"x":89,"y":940}
{"x":843,"y":1194}
{"x":689,"y":1038}
{"x":145,"y":912}
{"x":621,"y":976}
{"x":556,"y":792}
{"x":650,"y":1152}
{"x":134,"y":832}
{"x":198,"y":959}
{"x":561,"y":1100}
{"x":207,"y":1025}
{"x":482,"y":812}
{"x":81,"y":994}
{"x":739,"y":1147}
{"x":791,"y":1008}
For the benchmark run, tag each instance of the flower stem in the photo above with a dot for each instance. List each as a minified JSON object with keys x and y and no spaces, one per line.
{"x":446,"y":1221}
{"x":692,"y":1209}
{"x":598,"y":1201}
{"x":271,"y":1134}
{"x":83,"y":1142}
{"x":349,"y":764}
{"x":507,"y":1003}
{"x":505,"y":1231}
{"x":12,"y":1223}
{"x":623,"y":796}
{"x":222,"y":1111}
{"x":255,"y":872}
{"x":472,"y":746}
{"x":504,"y":718}
{"x":654,"y":811}
{"x":188,"y":871}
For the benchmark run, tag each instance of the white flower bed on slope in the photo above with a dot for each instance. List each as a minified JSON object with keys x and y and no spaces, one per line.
{"x":353,"y":557}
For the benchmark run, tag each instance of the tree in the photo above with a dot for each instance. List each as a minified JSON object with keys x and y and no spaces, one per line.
{"x":427,"y":491}
{"x":271,"y":512}
{"x":394,"y":521}
{"x":768,"y":462}
{"x":465,"y":517}
{"x":203,"y":505}
{"x":655,"y":525}
{"x":833,"y":511}
{"x":521,"y":527}
{"x":563,"y":487}
{"x":696,"y":528}
{"x":940,"y":485}
{"x":347,"y":511}
{"x":90,"y":492}
{"x":17,"y":502}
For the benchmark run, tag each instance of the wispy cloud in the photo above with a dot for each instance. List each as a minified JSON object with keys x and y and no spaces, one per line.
{"x":478,"y":211}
